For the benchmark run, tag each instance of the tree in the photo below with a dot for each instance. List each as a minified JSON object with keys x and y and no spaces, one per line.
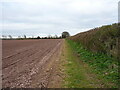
{"x":56,"y":36}
{"x":10,"y":36}
{"x":3,"y":36}
{"x":65,"y":34}
{"x":38,"y":37}
{"x":24,"y":36}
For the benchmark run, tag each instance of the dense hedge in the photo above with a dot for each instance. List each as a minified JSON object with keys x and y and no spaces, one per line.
{"x":101,"y":39}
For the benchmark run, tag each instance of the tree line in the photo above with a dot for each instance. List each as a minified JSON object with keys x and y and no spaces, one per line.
{"x":63,"y":35}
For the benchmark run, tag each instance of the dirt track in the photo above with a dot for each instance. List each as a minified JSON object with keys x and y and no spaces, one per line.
{"x":31,"y":63}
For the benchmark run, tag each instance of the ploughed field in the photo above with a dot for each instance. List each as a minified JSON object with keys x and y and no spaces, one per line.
{"x":30,"y":63}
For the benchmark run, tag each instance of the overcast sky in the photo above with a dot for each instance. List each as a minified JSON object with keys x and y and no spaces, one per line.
{"x":50,"y":17}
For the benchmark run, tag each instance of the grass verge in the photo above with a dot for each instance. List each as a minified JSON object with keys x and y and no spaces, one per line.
{"x":88,"y":70}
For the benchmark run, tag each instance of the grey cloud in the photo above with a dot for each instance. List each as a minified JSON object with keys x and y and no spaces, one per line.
{"x":56,"y":16}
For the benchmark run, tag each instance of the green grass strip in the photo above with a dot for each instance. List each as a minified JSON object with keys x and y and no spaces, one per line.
{"x":103,"y":65}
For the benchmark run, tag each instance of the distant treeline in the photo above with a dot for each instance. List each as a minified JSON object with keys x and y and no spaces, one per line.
{"x":105,"y":39}
{"x":25,"y":37}
{"x":9,"y":37}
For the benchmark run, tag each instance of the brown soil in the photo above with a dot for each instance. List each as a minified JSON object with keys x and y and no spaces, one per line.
{"x":31,"y":63}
